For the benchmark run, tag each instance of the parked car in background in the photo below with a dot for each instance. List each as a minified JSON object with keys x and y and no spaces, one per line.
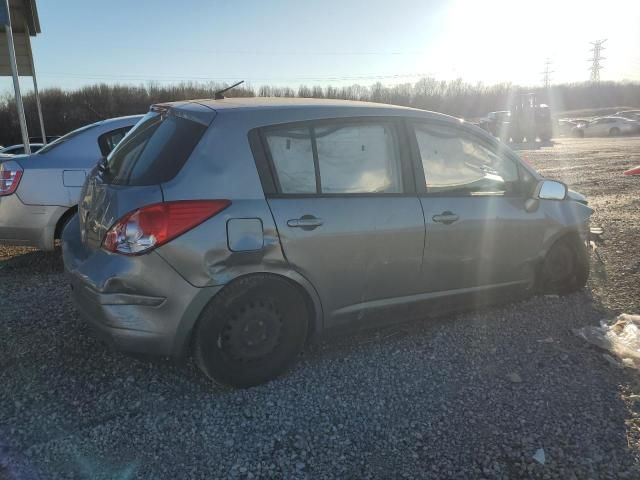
{"x":607,"y":127}
{"x":566,"y":126}
{"x":630,"y":114}
{"x":242,"y":227}
{"x":39,"y":192}
{"x":19,"y":149}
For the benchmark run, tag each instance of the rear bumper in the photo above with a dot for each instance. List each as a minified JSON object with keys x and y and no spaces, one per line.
{"x":28,"y":225}
{"x":130,"y":326}
{"x":135,"y":303}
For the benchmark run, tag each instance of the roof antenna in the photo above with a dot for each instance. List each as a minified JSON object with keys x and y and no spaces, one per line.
{"x":219,"y":95}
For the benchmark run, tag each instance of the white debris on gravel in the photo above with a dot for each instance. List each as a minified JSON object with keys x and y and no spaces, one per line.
{"x":620,"y":337}
{"x":539,"y":456}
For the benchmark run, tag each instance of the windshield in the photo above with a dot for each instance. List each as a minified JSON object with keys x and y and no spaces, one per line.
{"x":154,"y":151}
{"x":68,"y":136}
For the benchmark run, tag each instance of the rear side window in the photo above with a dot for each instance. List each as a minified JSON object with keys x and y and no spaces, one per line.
{"x":292,"y":155}
{"x":154,"y":151}
{"x":358,"y":159}
{"x":336,"y":158}
{"x":108,"y":141}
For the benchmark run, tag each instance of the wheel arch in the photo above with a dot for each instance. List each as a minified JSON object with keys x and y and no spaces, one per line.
{"x":570,"y":233}
{"x":66,"y":216}
{"x":184,"y":334}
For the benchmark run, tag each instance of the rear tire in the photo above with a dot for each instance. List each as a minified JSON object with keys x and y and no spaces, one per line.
{"x":252,"y":331}
{"x":565,"y":268}
{"x":64,"y":220}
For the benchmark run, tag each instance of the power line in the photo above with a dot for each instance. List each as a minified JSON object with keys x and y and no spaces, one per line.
{"x":546,"y":79}
{"x":596,"y":59}
{"x":172,"y":78}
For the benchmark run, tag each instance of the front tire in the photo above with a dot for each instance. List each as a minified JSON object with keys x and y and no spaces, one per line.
{"x":252,"y":331}
{"x":565,"y":268}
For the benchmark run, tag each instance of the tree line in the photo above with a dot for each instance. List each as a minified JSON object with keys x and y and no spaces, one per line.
{"x":66,"y":110}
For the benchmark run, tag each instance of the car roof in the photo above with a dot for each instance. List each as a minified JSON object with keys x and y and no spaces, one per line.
{"x":270,"y":103}
{"x":262,"y":109}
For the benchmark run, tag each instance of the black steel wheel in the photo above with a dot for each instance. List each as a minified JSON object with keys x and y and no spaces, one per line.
{"x":251,"y":331}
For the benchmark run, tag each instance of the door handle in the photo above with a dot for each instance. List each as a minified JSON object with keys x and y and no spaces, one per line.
{"x":306,"y":222}
{"x":446,"y":217}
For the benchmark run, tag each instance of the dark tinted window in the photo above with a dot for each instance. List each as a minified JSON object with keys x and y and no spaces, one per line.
{"x":108,"y":141}
{"x":154,"y":151}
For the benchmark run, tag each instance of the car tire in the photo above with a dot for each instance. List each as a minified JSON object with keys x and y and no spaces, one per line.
{"x":64,"y":220}
{"x":517,"y":139}
{"x":578,"y":133}
{"x":252,"y":331}
{"x":614,"y":132}
{"x":565,"y":268}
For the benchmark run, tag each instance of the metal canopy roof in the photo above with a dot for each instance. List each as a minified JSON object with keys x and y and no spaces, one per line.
{"x":25,"y":24}
{"x":18,"y":23}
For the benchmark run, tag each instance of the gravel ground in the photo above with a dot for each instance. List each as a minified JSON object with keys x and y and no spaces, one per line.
{"x":470,"y":396}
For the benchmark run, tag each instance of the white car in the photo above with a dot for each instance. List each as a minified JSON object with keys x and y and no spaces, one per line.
{"x":607,"y":127}
{"x":39,"y":192}
{"x":630,"y":114}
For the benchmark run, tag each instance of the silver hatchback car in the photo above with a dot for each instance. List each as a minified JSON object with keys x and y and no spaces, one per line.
{"x":39,"y":192}
{"x":236,"y":229}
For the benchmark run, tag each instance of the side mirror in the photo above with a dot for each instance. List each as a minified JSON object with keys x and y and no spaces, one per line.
{"x":546,"y":190}
{"x":551,"y":190}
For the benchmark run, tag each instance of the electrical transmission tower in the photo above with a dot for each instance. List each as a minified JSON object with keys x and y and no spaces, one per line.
{"x":546,"y":79}
{"x":596,"y":59}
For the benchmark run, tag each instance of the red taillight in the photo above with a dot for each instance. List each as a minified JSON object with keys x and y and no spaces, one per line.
{"x":151,"y":226}
{"x":9,"y":180}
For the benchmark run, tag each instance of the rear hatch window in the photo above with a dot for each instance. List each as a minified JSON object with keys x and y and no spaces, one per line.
{"x":154,"y":151}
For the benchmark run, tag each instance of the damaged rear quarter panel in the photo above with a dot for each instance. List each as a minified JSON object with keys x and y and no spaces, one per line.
{"x":202,"y":255}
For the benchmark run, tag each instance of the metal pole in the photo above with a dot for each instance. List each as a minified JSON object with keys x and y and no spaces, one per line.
{"x":35,"y":90}
{"x":16,"y":83}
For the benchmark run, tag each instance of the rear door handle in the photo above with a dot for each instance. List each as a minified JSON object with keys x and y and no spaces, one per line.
{"x":306,"y":222}
{"x":446,"y":217}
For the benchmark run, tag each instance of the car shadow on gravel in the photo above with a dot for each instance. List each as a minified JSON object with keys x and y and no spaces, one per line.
{"x":28,"y":261}
{"x":469,"y":395}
